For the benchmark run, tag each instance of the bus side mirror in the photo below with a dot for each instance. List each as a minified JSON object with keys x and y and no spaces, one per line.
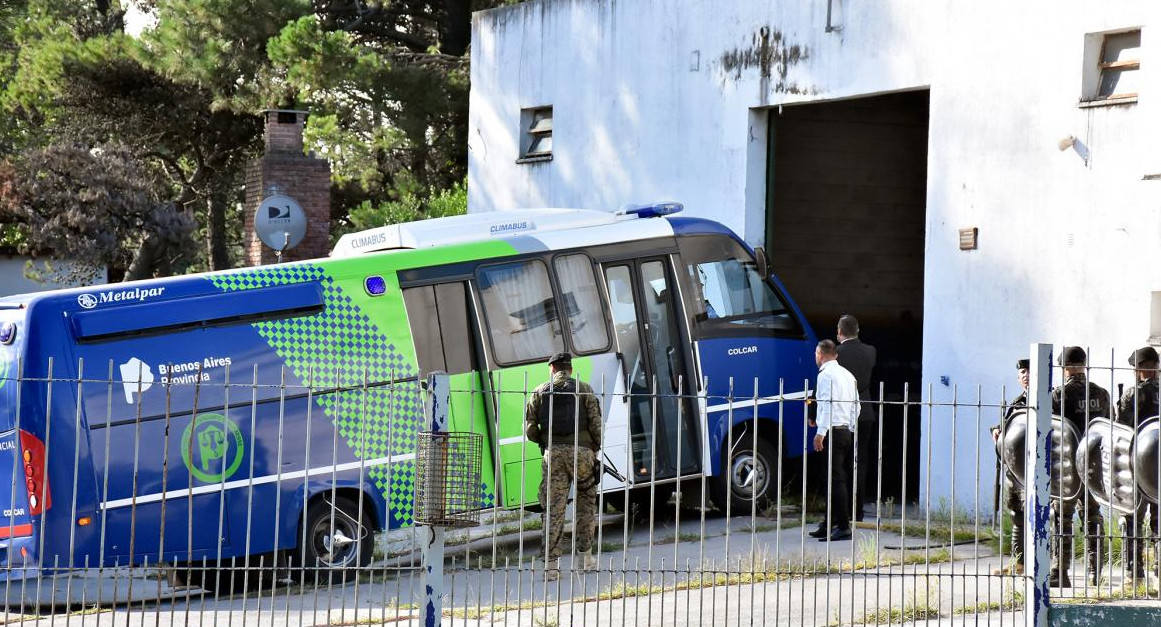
{"x":763,"y":262}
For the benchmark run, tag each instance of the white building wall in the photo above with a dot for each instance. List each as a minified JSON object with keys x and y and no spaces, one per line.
{"x":14,"y":281}
{"x":651,"y":102}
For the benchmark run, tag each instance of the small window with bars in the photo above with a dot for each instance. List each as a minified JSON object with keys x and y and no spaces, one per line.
{"x":1113,"y":67}
{"x":536,"y":143}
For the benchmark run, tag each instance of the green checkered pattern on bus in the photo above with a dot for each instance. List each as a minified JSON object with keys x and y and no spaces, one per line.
{"x":341,"y":347}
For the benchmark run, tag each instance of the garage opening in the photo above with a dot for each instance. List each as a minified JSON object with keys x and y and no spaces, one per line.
{"x":845,"y":220}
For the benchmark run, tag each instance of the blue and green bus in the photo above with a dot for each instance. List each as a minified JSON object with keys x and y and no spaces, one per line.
{"x":273,"y":410}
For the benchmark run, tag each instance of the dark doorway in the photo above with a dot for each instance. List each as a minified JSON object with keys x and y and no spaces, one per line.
{"x":846,"y":211}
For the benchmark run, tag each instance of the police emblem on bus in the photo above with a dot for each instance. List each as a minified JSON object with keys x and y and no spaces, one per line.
{"x":212,"y":447}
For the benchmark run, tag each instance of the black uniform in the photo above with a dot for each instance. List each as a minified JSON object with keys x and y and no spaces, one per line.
{"x":1079,"y":401}
{"x":1138,"y":404}
{"x":1013,"y":492}
{"x":859,"y":359}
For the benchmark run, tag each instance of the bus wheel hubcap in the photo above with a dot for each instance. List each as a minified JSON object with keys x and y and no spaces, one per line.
{"x":337,"y":547}
{"x":748,"y":475}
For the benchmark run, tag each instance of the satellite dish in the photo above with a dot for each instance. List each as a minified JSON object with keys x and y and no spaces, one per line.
{"x":280,"y":222}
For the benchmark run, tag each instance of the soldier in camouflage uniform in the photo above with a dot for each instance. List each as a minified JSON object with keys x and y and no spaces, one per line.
{"x":1138,"y":404}
{"x":1077,"y":401}
{"x":563,"y":417}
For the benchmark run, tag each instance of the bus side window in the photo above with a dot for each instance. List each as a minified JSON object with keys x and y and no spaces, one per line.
{"x":582,"y":303}
{"x":451,"y":300}
{"x":728,"y":294}
{"x":520,"y":311}
{"x":420,"y":302}
{"x":443,"y":341}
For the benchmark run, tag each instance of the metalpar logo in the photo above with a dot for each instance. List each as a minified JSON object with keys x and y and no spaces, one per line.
{"x":138,"y":294}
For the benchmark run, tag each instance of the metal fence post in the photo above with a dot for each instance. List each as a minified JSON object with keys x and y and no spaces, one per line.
{"x":1038,"y":472}
{"x":436,"y":409}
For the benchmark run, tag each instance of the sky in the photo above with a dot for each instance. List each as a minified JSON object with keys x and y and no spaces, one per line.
{"x":135,"y":20}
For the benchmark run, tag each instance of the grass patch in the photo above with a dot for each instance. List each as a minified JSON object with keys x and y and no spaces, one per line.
{"x":920,"y":608}
{"x":895,"y":557}
{"x":937,"y":533}
{"x":787,"y":523}
{"x":909,"y":613}
{"x":613,"y":547}
{"x":92,"y":609}
{"x":1122,"y":593}
{"x":532,"y":523}
{"x":1014,"y":601}
{"x":503,"y":558}
{"x":679,"y":537}
{"x":400,"y":618}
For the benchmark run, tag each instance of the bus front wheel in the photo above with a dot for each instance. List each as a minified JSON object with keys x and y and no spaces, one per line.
{"x":747,"y":477}
{"x":338,"y":539}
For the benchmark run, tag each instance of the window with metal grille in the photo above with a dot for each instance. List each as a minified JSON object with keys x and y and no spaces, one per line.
{"x":536,"y":143}
{"x":1112,"y":66}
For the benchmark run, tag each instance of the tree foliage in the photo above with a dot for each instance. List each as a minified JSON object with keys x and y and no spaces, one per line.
{"x":93,"y":205}
{"x":386,"y":83}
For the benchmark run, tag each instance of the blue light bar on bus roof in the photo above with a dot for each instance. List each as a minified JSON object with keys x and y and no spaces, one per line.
{"x":652,"y":211}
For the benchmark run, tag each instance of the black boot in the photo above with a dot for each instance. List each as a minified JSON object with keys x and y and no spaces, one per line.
{"x":1018,"y":544}
{"x":1094,"y":550}
{"x":1058,"y":577}
{"x":1015,"y":565}
{"x":1093,"y":553}
{"x":1061,"y":560}
{"x":1135,"y":551}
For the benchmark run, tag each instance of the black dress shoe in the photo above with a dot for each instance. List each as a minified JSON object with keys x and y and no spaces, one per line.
{"x":838,"y":533}
{"x":819,"y":532}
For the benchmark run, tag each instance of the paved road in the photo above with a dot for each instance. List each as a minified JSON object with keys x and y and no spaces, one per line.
{"x":637,"y":585}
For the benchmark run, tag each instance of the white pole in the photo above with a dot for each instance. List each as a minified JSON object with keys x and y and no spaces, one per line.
{"x":1038,"y":473}
{"x":436,"y":408}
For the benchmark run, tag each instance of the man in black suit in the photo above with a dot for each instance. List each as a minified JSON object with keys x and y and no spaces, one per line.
{"x":859,"y":359}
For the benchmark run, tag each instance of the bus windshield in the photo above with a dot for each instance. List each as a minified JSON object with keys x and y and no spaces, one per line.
{"x":728,"y":292}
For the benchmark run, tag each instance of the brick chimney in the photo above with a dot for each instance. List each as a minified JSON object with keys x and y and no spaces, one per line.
{"x":284,"y":169}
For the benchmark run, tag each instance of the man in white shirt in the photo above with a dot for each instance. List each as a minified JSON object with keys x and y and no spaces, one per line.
{"x":837,"y":396}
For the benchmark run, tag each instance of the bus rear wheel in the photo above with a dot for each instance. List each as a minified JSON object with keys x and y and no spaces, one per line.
{"x":747,"y":478}
{"x":338,"y":540}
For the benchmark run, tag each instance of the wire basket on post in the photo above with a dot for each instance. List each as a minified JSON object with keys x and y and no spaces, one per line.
{"x":447,"y":485}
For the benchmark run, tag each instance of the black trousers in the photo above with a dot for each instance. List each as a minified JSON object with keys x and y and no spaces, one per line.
{"x":866,"y":484}
{"x":838,"y":452}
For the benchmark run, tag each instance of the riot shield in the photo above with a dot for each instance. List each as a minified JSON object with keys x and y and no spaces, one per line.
{"x":1146,"y":468}
{"x":1104,"y":459}
{"x":1065,"y":479}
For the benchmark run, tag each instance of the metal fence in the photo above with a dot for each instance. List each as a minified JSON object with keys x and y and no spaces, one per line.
{"x":270,"y":502}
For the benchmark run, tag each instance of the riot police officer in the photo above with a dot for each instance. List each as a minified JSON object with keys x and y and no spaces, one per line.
{"x":1138,"y":404}
{"x":1014,"y":494}
{"x":1077,"y":401}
